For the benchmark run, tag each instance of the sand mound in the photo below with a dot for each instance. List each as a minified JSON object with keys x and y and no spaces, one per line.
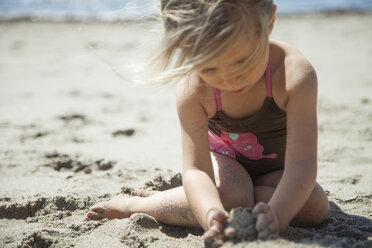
{"x":161,"y":184}
{"x":31,"y":210}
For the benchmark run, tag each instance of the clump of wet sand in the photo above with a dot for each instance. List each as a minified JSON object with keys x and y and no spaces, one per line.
{"x":242,"y":220}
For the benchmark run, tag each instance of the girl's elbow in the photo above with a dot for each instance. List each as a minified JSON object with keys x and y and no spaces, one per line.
{"x":305,"y":168}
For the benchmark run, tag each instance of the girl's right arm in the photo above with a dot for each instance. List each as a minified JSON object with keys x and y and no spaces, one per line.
{"x":197,"y":176}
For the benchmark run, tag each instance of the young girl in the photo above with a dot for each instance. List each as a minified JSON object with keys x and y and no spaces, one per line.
{"x":247,"y":108}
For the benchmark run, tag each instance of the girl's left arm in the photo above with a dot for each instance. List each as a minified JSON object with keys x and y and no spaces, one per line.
{"x":300,"y":167}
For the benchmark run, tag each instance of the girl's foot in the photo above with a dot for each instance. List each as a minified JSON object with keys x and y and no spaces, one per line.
{"x":144,"y":192}
{"x":116,"y":208}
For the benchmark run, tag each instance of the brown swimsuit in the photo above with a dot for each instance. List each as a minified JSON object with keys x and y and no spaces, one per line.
{"x":257,"y":142}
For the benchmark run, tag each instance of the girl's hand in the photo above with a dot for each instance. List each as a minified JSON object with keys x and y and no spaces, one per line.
{"x":217,"y":231}
{"x":267,"y":224}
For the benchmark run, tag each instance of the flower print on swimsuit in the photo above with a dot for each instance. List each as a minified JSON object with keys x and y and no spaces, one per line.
{"x":233,"y":144}
{"x":218,"y":145}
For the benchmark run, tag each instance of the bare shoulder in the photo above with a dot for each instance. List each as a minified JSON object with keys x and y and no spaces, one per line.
{"x":188,"y":88}
{"x":298,"y":75}
{"x":299,"y":72}
{"x":190,"y":107}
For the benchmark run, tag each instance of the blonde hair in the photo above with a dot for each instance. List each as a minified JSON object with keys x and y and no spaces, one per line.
{"x":197,"y":31}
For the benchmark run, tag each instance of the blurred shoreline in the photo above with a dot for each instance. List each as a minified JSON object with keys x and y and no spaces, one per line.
{"x":112,"y":11}
{"x":336,"y":13}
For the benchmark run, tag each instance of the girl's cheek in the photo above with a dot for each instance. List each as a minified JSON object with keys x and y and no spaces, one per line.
{"x":213,"y":80}
{"x":208,"y":78}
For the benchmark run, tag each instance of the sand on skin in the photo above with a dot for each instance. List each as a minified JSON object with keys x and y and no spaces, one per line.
{"x":73,"y":133}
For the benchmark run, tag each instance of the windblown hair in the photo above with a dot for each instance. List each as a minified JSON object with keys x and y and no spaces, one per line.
{"x":197,"y":31}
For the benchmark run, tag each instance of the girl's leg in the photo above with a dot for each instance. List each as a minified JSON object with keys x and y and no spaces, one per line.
{"x":171,"y":206}
{"x":312,"y":213}
{"x":144,"y":192}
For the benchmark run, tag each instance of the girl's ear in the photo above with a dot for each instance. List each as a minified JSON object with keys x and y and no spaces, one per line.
{"x":272,"y":19}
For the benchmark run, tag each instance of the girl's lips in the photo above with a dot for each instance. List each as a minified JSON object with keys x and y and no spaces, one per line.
{"x":238,"y":91}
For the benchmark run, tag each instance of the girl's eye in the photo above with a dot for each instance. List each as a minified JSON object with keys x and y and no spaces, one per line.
{"x":242,"y":61}
{"x":208,"y":70}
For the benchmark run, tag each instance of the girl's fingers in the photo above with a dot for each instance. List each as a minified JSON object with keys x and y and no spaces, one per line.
{"x":220,"y":216}
{"x":273,"y":227}
{"x":260,"y":208}
{"x":213,"y":231}
{"x":217,"y":222}
{"x":263,"y":235}
{"x":217,"y":243}
{"x":266,"y":235}
{"x":229,"y":232}
{"x":263,"y":220}
{"x":216,"y":227}
{"x":209,"y":235}
{"x":217,"y":232}
{"x":269,"y":231}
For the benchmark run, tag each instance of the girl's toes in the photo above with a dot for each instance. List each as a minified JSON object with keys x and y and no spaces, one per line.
{"x":94,"y":215}
{"x":97,"y":209}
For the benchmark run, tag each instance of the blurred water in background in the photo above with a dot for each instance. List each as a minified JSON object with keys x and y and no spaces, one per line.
{"x":113,"y":10}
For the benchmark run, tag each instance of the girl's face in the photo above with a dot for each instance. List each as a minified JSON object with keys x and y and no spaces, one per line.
{"x":224,"y":72}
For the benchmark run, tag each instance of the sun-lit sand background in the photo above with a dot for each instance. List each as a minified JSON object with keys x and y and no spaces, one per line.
{"x":74,"y":133}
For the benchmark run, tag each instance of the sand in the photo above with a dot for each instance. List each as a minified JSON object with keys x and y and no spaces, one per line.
{"x":243,"y":222}
{"x":73,"y":133}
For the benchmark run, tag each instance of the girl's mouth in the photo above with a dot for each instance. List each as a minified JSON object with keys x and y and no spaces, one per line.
{"x":238,"y":91}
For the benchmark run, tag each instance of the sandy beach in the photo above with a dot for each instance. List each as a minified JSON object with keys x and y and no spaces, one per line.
{"x":74,"y":133}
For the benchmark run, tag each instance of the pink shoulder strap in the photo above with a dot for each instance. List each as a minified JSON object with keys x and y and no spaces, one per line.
{"x":217,"y":94}
{"x":268,"y":80}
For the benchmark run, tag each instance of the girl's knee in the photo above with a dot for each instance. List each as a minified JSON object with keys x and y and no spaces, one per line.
{"x":234,"y":185}
{"x":238,"y":199}
{"x":263,"y":193}
{"x":320,"y":200}
{"x":238,"y":196}
{"x":315,"y":209}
